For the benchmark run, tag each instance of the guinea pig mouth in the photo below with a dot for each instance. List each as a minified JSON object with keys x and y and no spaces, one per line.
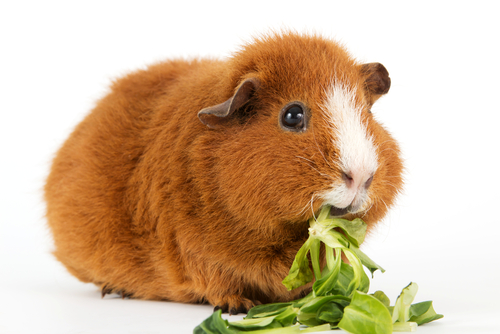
{"x":337,"y":212}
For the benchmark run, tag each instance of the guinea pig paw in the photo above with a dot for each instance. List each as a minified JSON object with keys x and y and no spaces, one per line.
{"x":223,"y":308}
{"x":234,"y":305}
{"x":240,"y":309}
{"x":106,"y":290}
{"x":125,"y":294}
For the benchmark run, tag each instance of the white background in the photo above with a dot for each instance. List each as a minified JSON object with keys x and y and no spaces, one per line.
{"x":57,"y":58}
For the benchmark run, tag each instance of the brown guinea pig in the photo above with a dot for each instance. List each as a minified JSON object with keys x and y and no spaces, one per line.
{"x":193,"y":181}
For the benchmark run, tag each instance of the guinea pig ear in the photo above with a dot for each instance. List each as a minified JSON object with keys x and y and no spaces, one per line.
{"x":219,"y":114}
{"x":377,"y":81}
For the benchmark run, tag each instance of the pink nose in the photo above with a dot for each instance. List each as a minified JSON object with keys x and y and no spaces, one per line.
{"x":356,"y":180}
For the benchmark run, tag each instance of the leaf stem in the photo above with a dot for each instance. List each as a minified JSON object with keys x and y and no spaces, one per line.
{"x":357,"y":268}
{"x":404,"y":327}
{"x":315,"y":245}
{"x":330,"y":257}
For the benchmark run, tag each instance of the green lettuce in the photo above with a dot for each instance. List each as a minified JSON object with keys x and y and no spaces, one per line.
{"x":366,"y":314}
{"x":339,"y":296}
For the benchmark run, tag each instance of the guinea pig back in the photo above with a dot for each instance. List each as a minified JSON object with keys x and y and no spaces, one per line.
{"x":193,"y":181}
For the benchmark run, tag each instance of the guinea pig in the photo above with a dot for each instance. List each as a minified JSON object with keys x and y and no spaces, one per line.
{"x":194,"y":180}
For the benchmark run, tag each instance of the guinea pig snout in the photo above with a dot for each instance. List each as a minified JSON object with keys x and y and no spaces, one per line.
{"x":356,"y":180}
{"x":350,"y":194}
{"x":356,"y":184}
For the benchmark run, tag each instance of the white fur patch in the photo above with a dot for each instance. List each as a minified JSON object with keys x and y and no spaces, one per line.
{"x":358,"y":154}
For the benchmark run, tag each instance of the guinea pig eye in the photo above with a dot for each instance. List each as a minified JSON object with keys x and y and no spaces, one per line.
{"x":293,"y":117}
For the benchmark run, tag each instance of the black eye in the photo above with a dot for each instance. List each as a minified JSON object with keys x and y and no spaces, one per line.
{"x":293,"y":117}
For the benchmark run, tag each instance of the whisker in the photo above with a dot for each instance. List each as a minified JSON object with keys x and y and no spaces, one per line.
{"x":386,"y":206}
{"x":298,"y":156}
{"x":320,"y":173}
{"x":312,"y":205}
{"x":392,"y":185}
{"x":309,"y":204}
{"x":320,"y":151}
{"x":368,"y":209}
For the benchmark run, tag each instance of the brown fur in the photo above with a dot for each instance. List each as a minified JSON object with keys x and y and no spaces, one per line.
{"x":146,"y":200}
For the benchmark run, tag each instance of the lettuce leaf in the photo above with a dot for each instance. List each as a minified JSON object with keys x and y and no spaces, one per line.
{"x":339,"y":294}
{"x":366,"y":314}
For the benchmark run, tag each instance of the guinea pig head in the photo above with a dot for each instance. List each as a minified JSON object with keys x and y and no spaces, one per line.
{"x":298,"y":133}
